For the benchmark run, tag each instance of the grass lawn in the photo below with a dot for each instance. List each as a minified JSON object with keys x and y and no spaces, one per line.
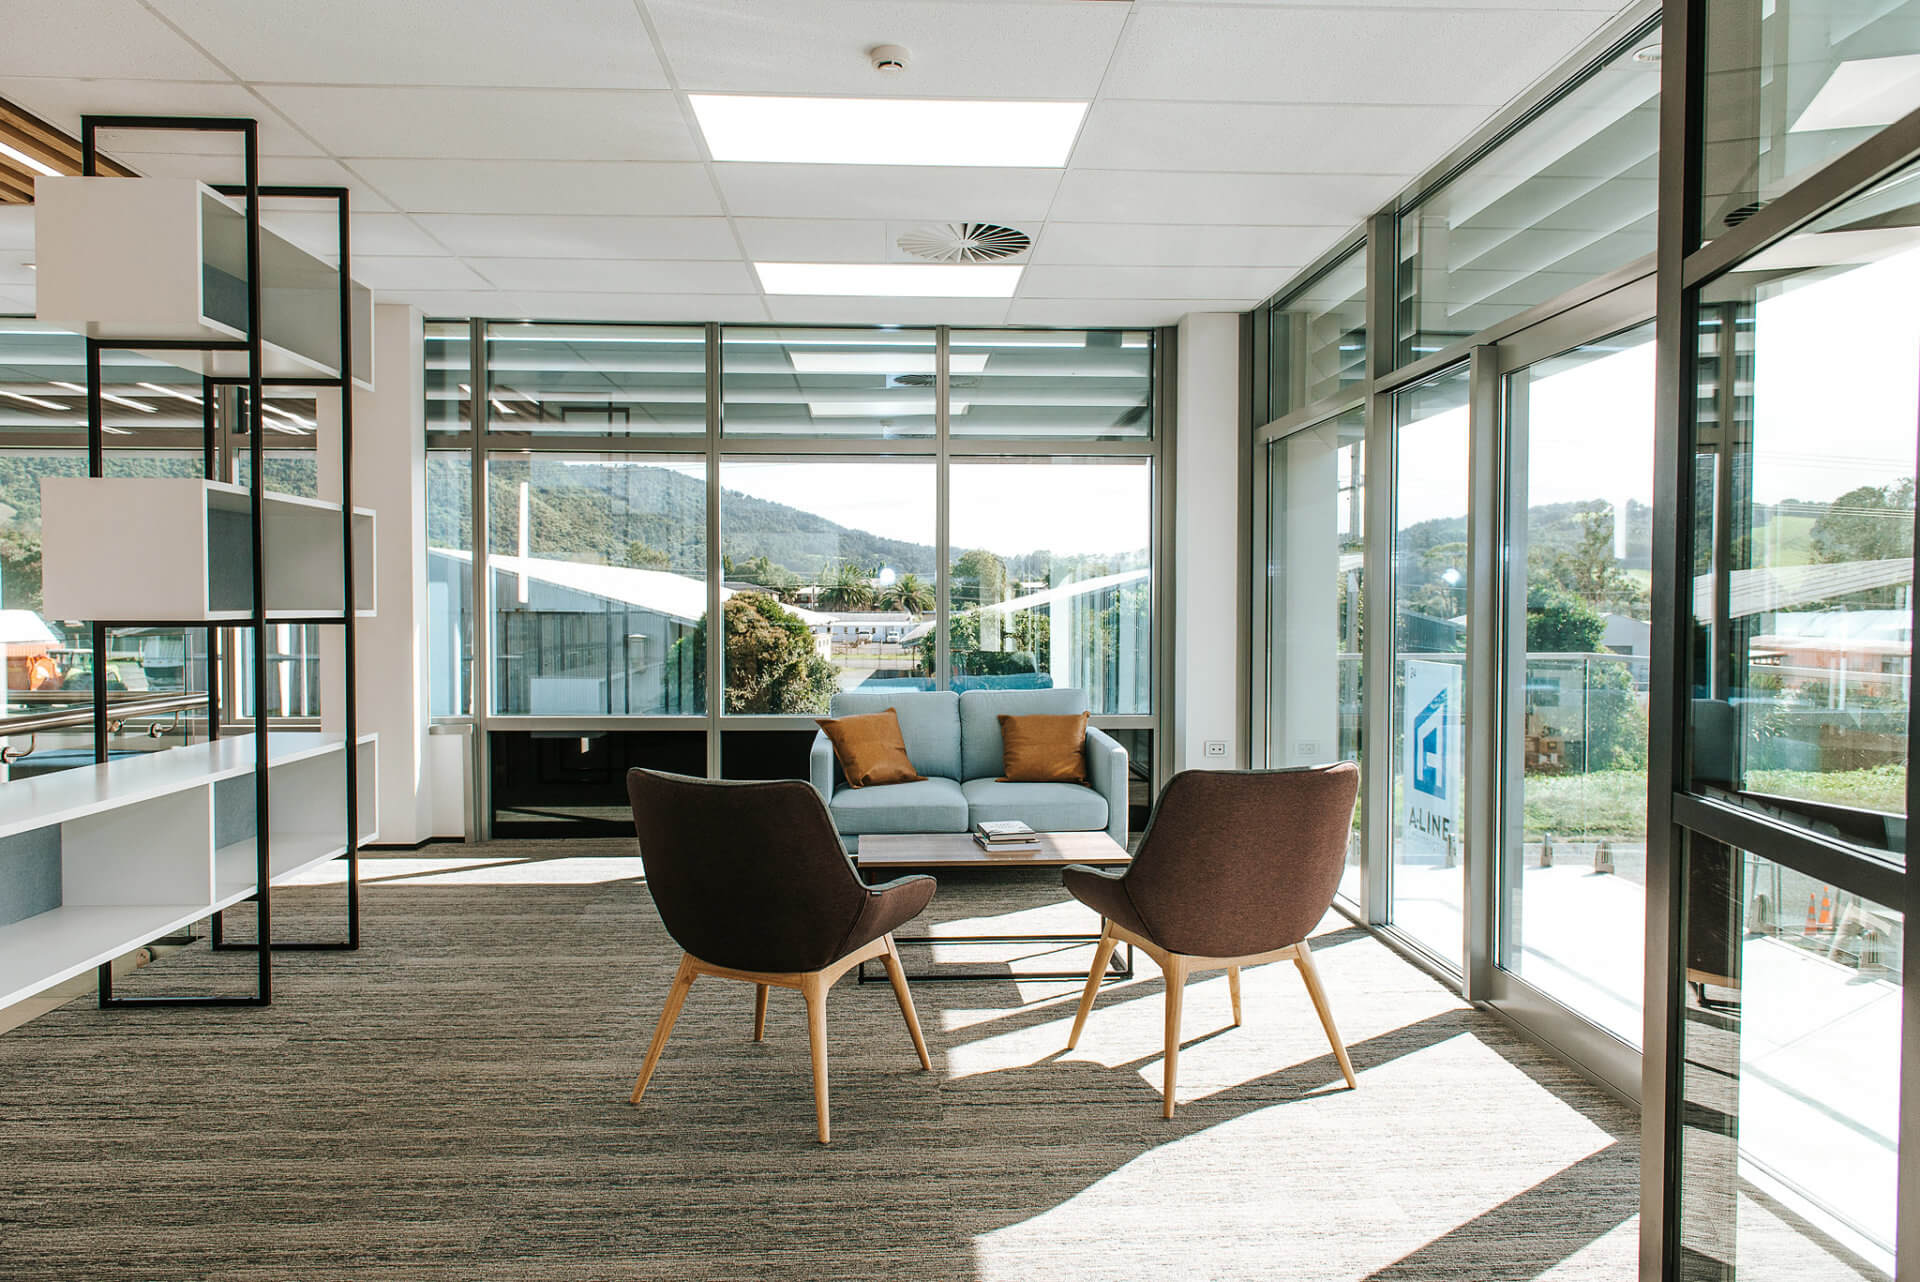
{"x":1613,"y":803}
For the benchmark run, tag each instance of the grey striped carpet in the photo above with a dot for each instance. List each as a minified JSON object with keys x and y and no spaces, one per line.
{"x":450,"y":1103}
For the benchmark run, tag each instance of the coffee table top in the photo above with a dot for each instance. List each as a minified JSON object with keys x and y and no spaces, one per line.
{"x":959,"y":850}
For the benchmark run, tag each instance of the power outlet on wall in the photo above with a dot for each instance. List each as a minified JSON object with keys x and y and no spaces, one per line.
{"x":1215,"y":747}
{"x":1307,"y":750}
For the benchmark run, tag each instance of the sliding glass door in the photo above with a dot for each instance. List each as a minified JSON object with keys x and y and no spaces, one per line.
{"x":1316,"y":566}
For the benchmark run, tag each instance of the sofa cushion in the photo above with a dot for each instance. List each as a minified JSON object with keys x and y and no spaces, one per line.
{"x":931,"y":805}
{"x":982,"y":755}
{"x":929,"y":725}
{"x":1046,"y":807}
{"x":1041,"y":748}
{"x":870,"y":750}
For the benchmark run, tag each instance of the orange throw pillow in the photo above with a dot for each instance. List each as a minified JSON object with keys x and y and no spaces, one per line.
{"x":870,"y":749}
{"x":1045,"y":749}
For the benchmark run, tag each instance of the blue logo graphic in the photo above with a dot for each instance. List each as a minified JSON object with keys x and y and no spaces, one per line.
{"x":1430,"y":748}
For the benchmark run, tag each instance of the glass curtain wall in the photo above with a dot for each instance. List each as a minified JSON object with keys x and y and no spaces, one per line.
{"x":1432,"y":587}
{"x":1800,"y":632}
{"x":640,"y":477}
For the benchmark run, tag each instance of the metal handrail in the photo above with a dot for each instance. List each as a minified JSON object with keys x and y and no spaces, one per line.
{"x":122,"y":711}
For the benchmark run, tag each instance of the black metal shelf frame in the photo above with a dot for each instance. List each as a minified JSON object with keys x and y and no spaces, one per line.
{"x":253,"y":192}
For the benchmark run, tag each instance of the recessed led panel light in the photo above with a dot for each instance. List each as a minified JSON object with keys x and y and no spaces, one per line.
{"x":890,"y":280}
{"x":883,"y":363}
{"x":887,"y":131}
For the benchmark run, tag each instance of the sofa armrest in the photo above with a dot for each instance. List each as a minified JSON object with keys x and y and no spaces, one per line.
{"x":820,"y":766}
{"x":1107,"y":774}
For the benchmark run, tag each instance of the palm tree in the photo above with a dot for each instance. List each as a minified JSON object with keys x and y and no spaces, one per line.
{"x":849,"y":588}
{"x":908,"y":593}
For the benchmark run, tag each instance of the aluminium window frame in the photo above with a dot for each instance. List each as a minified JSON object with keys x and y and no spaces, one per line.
{"x":480,"y":438}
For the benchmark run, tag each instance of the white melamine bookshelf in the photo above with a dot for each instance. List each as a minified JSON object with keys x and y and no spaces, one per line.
{"x":166,"y":259}
{"x":147,"y":845}
{"x":180,"y":550}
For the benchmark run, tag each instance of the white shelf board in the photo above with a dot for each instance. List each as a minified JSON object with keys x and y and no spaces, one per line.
{"x":93,"y":571}
{"x":39,"y":802}
{"x":165,"y":259}
{"x":53,"y":947}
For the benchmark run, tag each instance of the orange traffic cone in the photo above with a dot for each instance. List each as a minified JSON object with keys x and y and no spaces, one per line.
{"x":1813,"y":911}
{"x":1826,"y":909}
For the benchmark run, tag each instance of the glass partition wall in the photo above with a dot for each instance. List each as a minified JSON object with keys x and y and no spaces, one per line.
{"x":1650,"y":583}
{"x":888,"y":508}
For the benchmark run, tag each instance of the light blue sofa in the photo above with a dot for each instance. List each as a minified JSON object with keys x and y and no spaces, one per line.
{"x":954,"y":740}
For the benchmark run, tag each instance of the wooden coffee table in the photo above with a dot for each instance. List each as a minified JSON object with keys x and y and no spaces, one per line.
{"x":889,"y":852}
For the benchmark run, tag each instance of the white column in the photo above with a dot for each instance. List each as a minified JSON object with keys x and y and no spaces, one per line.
{"x":389,"y":476}
{"x":1205,"y":620}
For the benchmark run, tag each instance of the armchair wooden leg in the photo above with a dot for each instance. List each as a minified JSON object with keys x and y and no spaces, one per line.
{"x":1233,"y":990}
{"x":1175,"y":970}
{"x":815,"y":991}
{"x":759,"y":1012}
{"x":899,"y":978}
{"x":676,"y":998}
{"x":1101,"y":956}
{"x":1303,"y":958}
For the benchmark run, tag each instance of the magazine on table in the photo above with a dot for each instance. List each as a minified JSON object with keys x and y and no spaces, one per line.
{"x":998,"y":831}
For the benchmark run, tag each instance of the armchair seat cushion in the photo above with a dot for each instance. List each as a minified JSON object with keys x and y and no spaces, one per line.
{"x":927,"y":805}
{"x":1046,"y":807}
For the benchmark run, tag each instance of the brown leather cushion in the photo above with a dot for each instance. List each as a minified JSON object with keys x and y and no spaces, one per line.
{"x":1045,"y":749}
{"x":870,"y":749}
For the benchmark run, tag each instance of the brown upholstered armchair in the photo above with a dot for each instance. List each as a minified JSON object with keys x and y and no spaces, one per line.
{"x":1235,"y":867}
{"x":751,"y":881}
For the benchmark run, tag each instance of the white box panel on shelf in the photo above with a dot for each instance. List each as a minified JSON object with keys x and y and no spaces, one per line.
{"x":136,"y":842}
{"x":166,"y":258}
{"x":161,"y":549}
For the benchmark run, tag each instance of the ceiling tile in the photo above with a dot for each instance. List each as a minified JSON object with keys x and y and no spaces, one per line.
{"x":541,"y":186}
{"x":491,"y":124}
{"x":371,"y":234}
{"x":454,"y":302}
{"x":585,"y":275}
{"x":1134,"y":196}
{"x":398,"y":274}
{"x":567,"y":44}
{"x":887,"y":191}
{"x":109,"y":39}
{"x":1269,"y":138}
{"x":1182,"y":244}
{"x":977,"y":50}
{"x":797,"y":309}
{"x":581,"y":236}
{"x":16,"y":226}
{"x":816,"y":240}
{"x":14,"y":272}
{"x":1092,"y":312}
{"x":62,"y":102}
{"x":1250,"y":284}
{"x":287,"y":171}
{"x":1330,"y":55}
{"x":689,"y":309}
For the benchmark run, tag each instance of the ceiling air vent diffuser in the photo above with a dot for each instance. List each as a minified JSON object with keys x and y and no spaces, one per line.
{"x":964,"y":242}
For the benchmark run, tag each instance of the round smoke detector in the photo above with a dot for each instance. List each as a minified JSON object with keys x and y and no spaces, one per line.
{"x":965,"y":242}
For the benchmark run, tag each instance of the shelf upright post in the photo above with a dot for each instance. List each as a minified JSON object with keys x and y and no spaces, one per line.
{"x":256,"y":454}
{"x":348,"y":600}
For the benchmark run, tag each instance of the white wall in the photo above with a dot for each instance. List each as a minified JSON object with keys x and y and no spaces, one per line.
{"x":1207,"y":574}
{"x":389,"y":476}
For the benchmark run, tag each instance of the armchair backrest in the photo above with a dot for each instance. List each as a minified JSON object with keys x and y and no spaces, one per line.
{"x":983,"y":753}
{"x":1237,"y":862}
{"x":929,"y":723}
{"x":749,"y":876}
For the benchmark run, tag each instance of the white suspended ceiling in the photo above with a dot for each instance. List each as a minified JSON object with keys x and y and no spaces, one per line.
{"x":517,"y":159}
